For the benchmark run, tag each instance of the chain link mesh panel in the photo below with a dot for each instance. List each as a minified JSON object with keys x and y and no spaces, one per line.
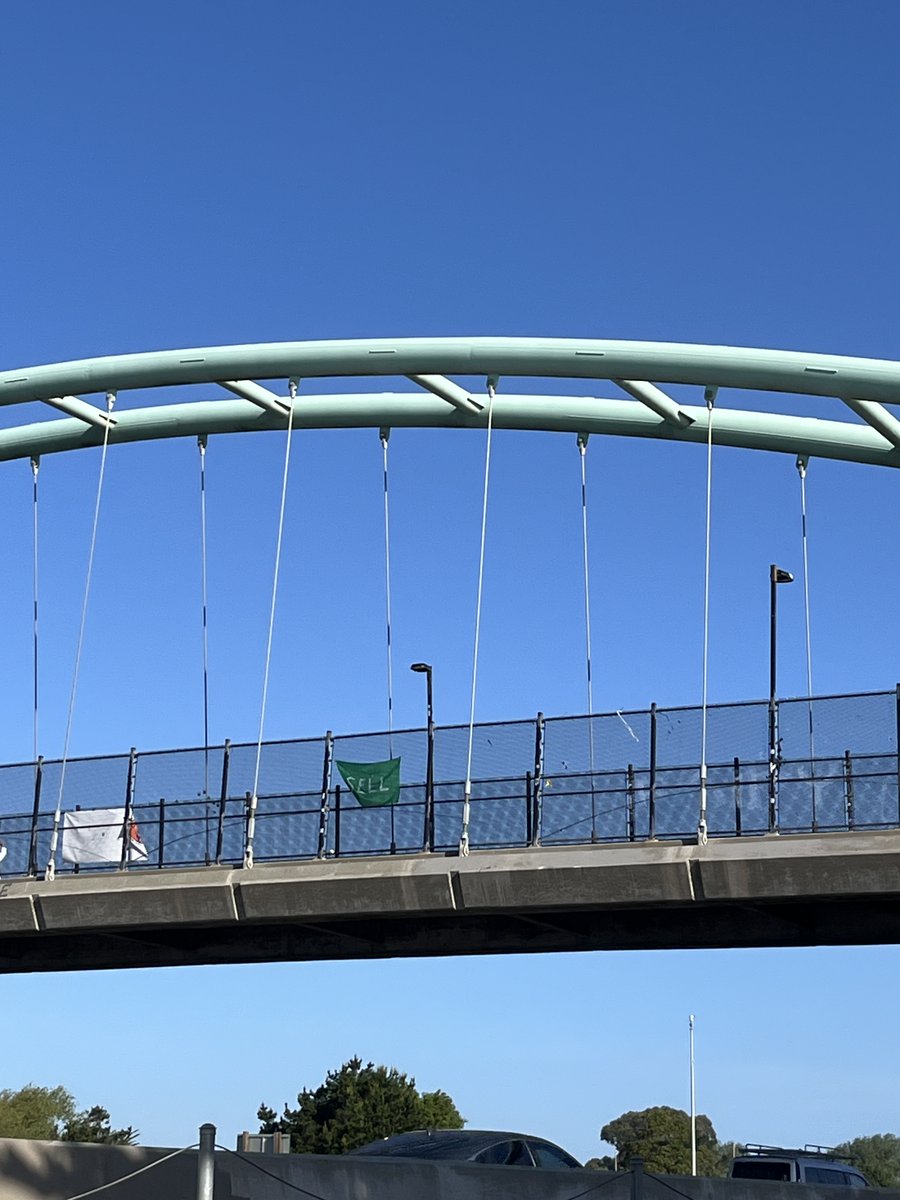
{"x":836,"y":768}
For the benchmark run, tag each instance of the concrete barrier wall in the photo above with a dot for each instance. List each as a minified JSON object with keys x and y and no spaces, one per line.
{"x":32,"y":1170}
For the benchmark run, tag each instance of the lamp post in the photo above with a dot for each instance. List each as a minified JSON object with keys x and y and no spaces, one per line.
{"x":694,"y":1104}
{"x":426,"y":670}
{"x":777,"y":575}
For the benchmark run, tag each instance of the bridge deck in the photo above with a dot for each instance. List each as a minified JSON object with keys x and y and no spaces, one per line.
{"x":762,"y":891}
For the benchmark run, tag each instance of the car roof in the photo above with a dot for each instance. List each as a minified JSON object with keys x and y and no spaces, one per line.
{"x":443,"y":1141}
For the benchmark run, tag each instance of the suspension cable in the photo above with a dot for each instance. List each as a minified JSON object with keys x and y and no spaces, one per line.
{"x":582,"y":449}
{"x":467,"y":797}
{"x":35,"y":467}
{"x":204,"y":606}
{"x":54,"y":839}
{"x":802,"y":464}
{"x":253,"y":799}
{"x":384,"y":435}
{"x":702,"y":828}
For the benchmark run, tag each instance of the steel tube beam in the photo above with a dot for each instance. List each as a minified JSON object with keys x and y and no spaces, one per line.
{"x":666,"y":362}
{"x":258,"y":395}
{"x":449,"y":391}
{"x":879,"y":418}
{"x":75,"y":407}
{"x":792,"y":435}
{"x":656,"y":399}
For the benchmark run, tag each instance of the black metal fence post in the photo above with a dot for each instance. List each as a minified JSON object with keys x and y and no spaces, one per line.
{"x":337,"y":821}
{"x":738,"y":815}
{"x":636,"y":1167}
{"x":848,"y":789}
{"x":651,"y":809}
{"x":245,"y":840}
{"x":773,"y":763}
{"x":326,"y":786}
{"x":529,"y":815}
{"x":161,"y":853}
{"x":223,"y":800}
{"x":129,"y":807}
{"x":538,"y":779}
{"x":630,"y":789}
{"x":429,"y":780}
{"x":35,"y":814}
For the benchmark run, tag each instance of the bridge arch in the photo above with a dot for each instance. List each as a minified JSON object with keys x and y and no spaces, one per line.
{"x":635,"y":407}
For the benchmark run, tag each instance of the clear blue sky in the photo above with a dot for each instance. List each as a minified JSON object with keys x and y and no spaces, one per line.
{"x":197,"y":173}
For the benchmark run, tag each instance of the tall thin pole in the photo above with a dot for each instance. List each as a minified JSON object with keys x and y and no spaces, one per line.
{"x":384,"y":434}
{"x":429,"y":769}
{"x":694,"y":1107}
{"x":710,"y":397}
{"x":582,"y":448}
{"x":35,"y":467}
{"x":206,"y":1162}
{"x":802,"y":463}
{"x":776,"y":576}
{"x":773,"y":659}
{"x":204,"y":621}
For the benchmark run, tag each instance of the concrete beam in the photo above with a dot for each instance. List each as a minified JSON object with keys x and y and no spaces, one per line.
{"x":753,"y":891}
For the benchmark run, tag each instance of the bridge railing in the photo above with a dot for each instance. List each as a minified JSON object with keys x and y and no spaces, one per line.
{"x":549,"y":781}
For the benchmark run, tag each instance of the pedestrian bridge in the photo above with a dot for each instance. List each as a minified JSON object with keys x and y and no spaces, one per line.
{"x":583,"y":835}
{"x":769,"y":823}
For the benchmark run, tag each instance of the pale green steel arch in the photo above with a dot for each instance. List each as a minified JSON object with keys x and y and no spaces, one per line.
{"x":864,"y":385}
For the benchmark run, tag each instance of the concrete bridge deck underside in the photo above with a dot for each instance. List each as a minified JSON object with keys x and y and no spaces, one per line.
{"x":794,"y":890}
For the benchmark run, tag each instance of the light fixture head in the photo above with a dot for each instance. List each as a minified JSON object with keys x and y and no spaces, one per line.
{"x":779,"y":575}
{"x":420,"y":667}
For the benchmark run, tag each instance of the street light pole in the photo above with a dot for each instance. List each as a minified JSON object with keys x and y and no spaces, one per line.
{"x":426,"y":670}
{"x":694,"y":1105}
{"x":776,"y":576}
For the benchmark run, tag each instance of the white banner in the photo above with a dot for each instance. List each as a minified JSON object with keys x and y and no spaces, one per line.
{"x":94,"y":835}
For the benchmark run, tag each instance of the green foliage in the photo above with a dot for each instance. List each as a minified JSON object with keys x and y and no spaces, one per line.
{"x":358,"y":1104}
{"x":35,"y":1112}
{"x":93,"y":1125}
{"x":49,"y":1114}
{"x":437,"y":1111}
{"x":605,"y":1163}
{"x":877,"y":1156}
{"x":661,"y":1136}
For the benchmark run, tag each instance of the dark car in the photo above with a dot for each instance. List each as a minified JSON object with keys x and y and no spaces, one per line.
{"x":472,"y":1145}
{"x":812,"y":1164}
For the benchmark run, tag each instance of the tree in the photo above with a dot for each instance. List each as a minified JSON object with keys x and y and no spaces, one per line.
{"x":358,"y":1104}
{"x":93,"y":1125}
{"x":661,"y":1136}
{"x":35,"y":1112}
{"x":877,"y":1156}
{"x":49,"y":1114}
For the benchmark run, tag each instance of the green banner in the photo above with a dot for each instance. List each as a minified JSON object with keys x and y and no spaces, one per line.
{"x":373,"y":784}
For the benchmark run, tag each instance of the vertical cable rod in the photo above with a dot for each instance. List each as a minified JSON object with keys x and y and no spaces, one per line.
{"x":467,"y":796}
{"x":582,"y":449}
{"x":384,"y":435}
{"x":54,"y":838}
{"x":253,"y":799}
{"x":702,"y":828}
{"x":802,"y":464}
{"x":204,"y":607}
{"x":35,"y":467}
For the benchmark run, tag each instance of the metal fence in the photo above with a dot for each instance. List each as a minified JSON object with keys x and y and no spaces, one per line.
{"x":549,"y":781}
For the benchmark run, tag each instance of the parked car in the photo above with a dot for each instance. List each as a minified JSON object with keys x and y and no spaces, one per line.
{"x":812,"y":1164}
{"x":472,"y":1145}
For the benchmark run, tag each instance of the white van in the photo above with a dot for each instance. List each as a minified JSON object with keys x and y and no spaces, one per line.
{"x":812,"y":1164}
